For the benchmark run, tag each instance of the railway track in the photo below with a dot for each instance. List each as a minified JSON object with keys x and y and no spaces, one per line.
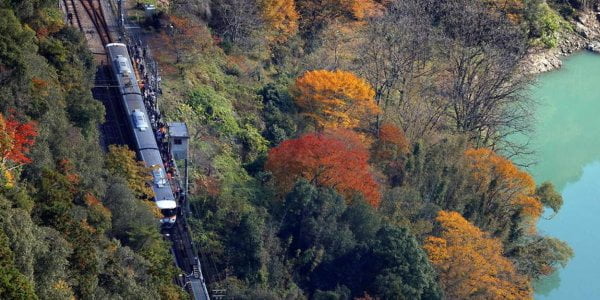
{"x":94,"y":10}
{"x":72,"y":13}
{"x":95,"y":14}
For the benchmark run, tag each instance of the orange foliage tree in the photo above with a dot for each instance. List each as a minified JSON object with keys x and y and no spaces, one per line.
{"x":334,"y":98}
{"x":502,"y":182}
{"x":281,"y":18}
{"x":334,"y":159}
{"x":15,"y":140}
{"x":389,"y":153}
{"x":470,"y":264}
{"x":392,"y":142}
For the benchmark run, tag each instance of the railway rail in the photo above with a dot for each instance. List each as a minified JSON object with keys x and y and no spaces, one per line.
{"x":95,"y":14}
{"x":71,"y":11}
{"x":94,"y":10}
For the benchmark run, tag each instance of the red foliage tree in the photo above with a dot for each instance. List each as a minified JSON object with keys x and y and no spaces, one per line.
{"x":15,"y":140}
{"x":336,"y":159}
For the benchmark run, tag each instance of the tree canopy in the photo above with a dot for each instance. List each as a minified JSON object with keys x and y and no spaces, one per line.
{"x":472,"y":265}
{"x":281,"y":18}
{"x":335,"y":159}
{"x":16,"y":138}
{"x":122,"y":162}
{"x":335,"y":98}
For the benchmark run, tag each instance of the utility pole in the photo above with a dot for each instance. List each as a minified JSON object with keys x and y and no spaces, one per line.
{"x":121,"y":14}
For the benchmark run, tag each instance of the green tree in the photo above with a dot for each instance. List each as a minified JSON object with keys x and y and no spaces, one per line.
{"x":245,"y":247}
{"x":13,"y":284}
{"x":549,"y":196}
{"x":543,"y":22}
{"x":127,"y":213}
{"x":402,"y":268}
{"x":16,"y":44}
{"x":540,"y":256}
{"x":313,"y":224}
{"x":278,"y":111}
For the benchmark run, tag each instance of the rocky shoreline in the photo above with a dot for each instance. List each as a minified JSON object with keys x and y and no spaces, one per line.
{"x":586,"y":35}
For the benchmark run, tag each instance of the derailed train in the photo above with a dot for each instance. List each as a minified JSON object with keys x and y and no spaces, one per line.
{"x":141,"y":130}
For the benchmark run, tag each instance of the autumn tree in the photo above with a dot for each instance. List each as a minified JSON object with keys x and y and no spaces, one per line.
{"x":392,"y":142}
{"x":504,"y":192}
{"x":390,"y":151}
{"x":334,"y":98}
{"x":121,"y":162}
{"x":325,"y":159}
{"x":281,"y":18}
{"x":362,"y":9}
{"x":470,"y":264}
{"x":15,"y":140}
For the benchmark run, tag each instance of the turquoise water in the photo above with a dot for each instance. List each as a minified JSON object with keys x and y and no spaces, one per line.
{"x":567,"y":141}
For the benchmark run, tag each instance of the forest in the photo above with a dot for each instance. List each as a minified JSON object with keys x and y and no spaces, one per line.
{"x":340,"y":149}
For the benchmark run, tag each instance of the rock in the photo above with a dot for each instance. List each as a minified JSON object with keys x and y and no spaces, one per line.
{"x":543,"y":62}
{"x":594,"y":46}
{"x":582,"y":29}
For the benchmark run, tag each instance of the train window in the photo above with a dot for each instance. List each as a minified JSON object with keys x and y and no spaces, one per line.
{"x":138,"y":120}
{"x":168,"y":212}
{"x":178,"y":141}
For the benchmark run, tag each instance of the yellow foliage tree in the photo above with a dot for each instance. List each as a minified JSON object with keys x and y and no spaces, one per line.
{"x":121,"y":162}
{"x":470,"y":264}
{"x":281,"y":19}
{"x":362,"y":9}
{"x":334,"y":99}
{"x":498,"y":177}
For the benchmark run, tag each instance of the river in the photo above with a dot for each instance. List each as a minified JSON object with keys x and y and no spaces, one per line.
{"x":567,"y":141}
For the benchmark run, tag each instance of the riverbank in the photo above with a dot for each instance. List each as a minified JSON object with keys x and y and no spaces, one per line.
{"x":585,"y":34}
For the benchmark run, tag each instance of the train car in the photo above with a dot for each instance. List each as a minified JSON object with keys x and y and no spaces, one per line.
{"x":141,"y":130}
